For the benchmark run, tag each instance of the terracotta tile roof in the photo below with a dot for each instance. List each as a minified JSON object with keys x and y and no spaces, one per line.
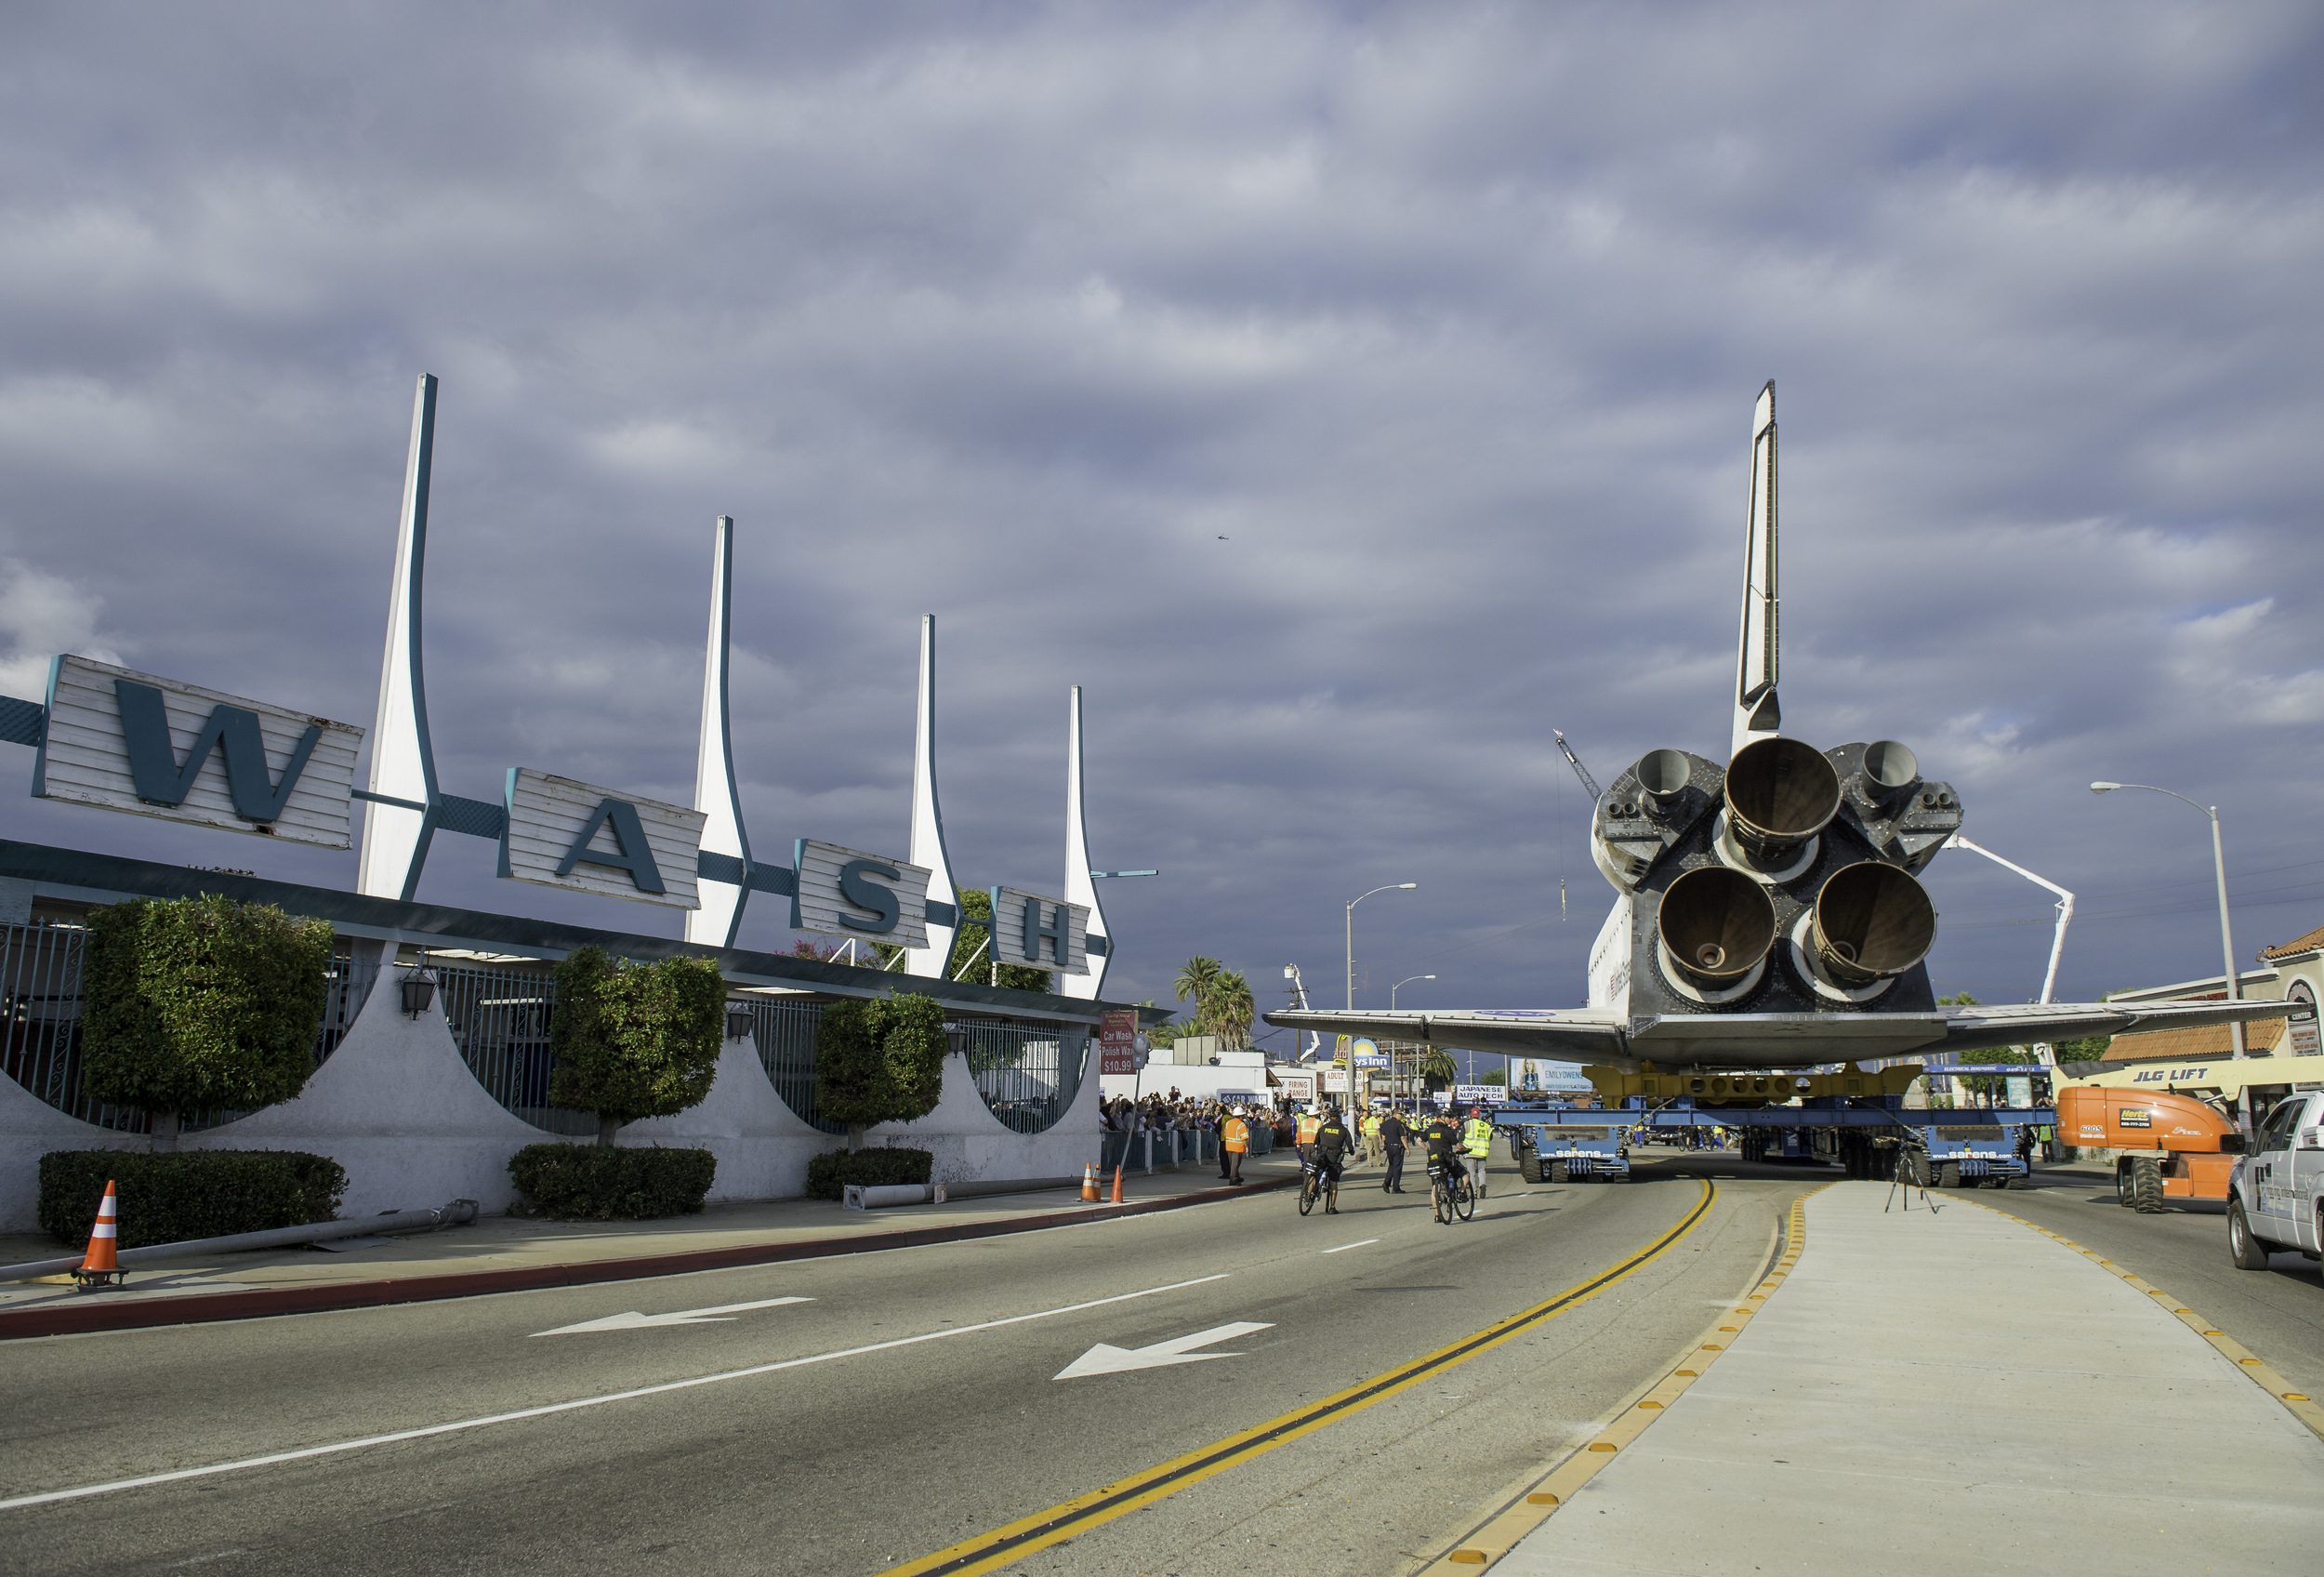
{"x":2308,"y":944}
{"x":2202,"y":1043}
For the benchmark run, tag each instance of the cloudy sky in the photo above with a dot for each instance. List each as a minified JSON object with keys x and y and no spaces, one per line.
{"x":1346,"y":396}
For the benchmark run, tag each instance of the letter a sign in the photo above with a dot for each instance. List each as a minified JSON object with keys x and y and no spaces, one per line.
{"x":127,"y":741}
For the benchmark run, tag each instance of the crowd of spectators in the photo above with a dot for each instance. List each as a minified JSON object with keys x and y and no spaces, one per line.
{"x":1161,"y":1114}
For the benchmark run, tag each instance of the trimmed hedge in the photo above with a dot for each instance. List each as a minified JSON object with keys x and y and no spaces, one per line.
{"x":633,"y":1040}
{"x":612,"y":1183}
{"x":829,"y":1174}
{"x":201,"y":1004}
{"x":881,"y":1060}
{"x":176,"y":1196}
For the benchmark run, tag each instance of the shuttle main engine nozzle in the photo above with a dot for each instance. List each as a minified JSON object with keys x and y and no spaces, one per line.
{"x":1780,"y":793}
{"x":1872,"y":920}
{"x":1717,"y":923}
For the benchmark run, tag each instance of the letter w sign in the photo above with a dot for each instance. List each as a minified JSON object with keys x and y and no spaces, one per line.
{"x":112,"y":741}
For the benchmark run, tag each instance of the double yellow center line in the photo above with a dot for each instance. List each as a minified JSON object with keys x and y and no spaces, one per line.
{"x":1072,"y":1518}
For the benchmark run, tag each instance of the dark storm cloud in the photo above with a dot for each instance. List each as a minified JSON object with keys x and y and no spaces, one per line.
{"x":1449,"y":319}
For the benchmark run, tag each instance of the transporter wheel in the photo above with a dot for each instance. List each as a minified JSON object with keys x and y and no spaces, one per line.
{"x":2013,"y":1183}
{"x":1557,"y":1172}
{"x":2146,"y":1187}
{"x":1529,"y":1165}
{"x":1949,"y":1174}
{"x":2245,"y":1248}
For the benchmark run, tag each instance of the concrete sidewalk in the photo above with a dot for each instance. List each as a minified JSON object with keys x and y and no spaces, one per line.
{"x":1952,"y":1389}
{"x":500,"y":1253}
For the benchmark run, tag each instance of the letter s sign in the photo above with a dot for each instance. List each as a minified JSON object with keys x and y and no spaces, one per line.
{"x":870,"y":895}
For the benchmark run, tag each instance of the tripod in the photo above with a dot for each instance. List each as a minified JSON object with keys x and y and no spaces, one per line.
{"x":1907,"y":1180}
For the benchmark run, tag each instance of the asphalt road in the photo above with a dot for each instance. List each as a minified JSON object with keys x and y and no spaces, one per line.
{"x":820,"y":1456}
{"x":2279,"y":1313}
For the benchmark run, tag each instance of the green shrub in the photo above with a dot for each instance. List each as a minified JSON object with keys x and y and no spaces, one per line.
{"x":176,"y":1196}
{"x":829,"y":1174}
{"x":194,"y":1004}
{"x":606,"y":1183}
{"x":880,"y":1061}
{"x":635,"y":1040}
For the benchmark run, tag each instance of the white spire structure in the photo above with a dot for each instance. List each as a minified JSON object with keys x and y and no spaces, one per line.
{"x":1079,"y":887}
{"x":716,"y":792}
{"x":398,"y":816}
{"x":1757,"y":715}
{"x":928,"y":819}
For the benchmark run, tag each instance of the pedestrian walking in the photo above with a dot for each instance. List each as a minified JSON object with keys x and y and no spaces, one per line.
{"x":1476,"y":1146}
{"x":1393,"y":1136}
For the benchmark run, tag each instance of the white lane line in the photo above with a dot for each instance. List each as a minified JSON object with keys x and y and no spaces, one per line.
{"x":83,"y":1491}
{"x":1346,"y":1246}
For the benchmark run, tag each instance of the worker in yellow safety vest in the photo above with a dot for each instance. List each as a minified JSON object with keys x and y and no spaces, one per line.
{"x":1476,"y":1146}
{"x":1371,"y":1137}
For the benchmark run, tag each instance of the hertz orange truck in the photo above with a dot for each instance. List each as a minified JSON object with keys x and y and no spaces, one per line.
{"x":2172,"y":1146}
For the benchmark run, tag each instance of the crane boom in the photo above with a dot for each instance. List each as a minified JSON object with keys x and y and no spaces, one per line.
{"x":1579,"y":770}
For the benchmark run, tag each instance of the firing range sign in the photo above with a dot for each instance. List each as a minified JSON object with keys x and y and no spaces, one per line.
{"x":843,"y":892}
{"x":585,"y":839}
{"x":121,"y":740}
{"x":1040,"y":932}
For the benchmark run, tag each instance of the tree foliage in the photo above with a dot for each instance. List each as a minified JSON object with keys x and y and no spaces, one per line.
{"x":881,"y":1060}
{"x":196,"y":1004}
{"x":634,"y":1039}
{"x":976,"y":903}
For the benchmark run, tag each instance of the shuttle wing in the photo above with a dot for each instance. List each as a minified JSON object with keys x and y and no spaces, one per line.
{"x":1563,"y":1035}
{"x":1768,"y":1040}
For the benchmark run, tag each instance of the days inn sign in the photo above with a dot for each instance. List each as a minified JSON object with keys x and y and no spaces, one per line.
{"x":120,"y":740}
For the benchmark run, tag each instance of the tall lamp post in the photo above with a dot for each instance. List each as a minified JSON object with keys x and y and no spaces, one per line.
{"x":2219,"y":869}
{"x":1391,"y":887}
{"x":1392,"y":1008}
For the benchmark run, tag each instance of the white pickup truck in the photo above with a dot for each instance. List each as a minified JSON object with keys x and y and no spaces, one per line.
{"x":2276,"y":1193}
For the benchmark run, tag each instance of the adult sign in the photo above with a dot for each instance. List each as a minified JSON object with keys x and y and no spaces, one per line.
{"x":845,"y":892}
{"x":1039,"y":933}
{"x":561,"y":833}
{"x":127,"y":741}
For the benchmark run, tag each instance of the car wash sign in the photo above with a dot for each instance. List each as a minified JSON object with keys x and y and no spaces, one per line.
{"x":121,"y":740}
{"x":842,"y":892}
{"x":585,"y":839}
{"x":1039,"y":932}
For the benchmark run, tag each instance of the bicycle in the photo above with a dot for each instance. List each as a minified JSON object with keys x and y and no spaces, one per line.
{"x":1451,"y":1196}
{"x":1316,"y":1181}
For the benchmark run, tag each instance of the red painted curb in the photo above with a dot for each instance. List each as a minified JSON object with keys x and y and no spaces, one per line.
{"x":204,"y":1307}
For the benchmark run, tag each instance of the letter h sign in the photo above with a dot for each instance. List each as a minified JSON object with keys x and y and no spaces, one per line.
{"x":1036,"y":931}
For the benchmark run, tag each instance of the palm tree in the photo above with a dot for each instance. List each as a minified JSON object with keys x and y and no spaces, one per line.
{"x":1231,"y":1010}
{"x":1437,"y":1063}
{"x":1197,"y":978}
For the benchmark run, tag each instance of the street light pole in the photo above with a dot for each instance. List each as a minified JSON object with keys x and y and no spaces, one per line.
{"x":1406,"y":981}
{"x":1391,"y":887}
{"x":2226,"y":934}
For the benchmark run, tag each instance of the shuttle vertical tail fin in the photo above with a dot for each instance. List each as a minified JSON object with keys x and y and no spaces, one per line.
{"x":1757,"y":715}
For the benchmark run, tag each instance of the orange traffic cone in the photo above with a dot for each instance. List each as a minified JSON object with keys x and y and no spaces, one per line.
{"x":1118,"y":1185}
{"x":99,"y":1266}
{"x":1089,"y":1184}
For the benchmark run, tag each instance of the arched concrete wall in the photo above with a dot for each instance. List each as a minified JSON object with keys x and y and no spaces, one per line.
{"x":763,"y":1145}
{"x":30,"y":1128}
{"x":399,"y":1109}
{"x":971,"y":1146}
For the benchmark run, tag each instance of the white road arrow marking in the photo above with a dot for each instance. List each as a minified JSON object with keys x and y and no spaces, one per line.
{"x":1105,"y":1359}
{"x":634,"y":1322}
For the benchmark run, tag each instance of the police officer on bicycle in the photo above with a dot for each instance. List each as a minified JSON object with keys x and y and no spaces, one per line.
{"x":1440,"y":1147}
{"x":1331,"y":1145}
